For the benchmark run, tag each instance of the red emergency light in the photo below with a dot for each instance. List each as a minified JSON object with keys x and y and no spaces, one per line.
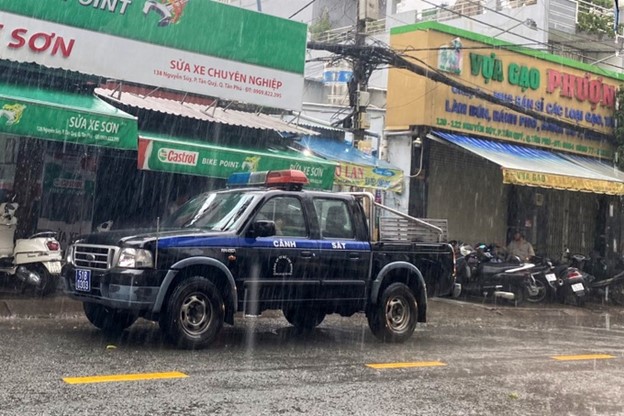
{"x":290,"y":179}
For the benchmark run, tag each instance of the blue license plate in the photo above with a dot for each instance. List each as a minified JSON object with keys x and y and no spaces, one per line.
{"x":83,"y":280}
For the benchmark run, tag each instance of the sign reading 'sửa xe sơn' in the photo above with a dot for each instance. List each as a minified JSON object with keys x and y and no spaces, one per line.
{"x":197,"y":46}
{"x":23,"y":118}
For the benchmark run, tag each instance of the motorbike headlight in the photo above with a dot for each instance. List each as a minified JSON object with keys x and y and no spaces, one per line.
{"x":135,"y":258}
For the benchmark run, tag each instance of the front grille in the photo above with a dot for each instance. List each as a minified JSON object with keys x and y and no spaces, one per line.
{"x":94,"y":257}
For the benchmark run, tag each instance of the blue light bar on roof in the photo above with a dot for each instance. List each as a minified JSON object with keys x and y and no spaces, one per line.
{"x":240,"y":179}
{"x":291,"y":179}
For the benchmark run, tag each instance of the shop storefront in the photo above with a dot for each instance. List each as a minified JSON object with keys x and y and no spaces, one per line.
{"x":73,"y":158}
{"x":537,"y":157}
{"x":49,"y":140}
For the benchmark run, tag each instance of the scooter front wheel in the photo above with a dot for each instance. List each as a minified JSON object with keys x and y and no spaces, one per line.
{"x":48,"y":282}
{"x":542,"y":292}
{"x":616,"y":293}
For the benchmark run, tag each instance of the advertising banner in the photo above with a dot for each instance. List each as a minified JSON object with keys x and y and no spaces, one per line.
{"x":557,"y":87}
{"x":361,"y":176}
{"x":197,"y":46}
{"x":59,"y":116}
{"x":564,"y":182}
{"x":202,"y":159}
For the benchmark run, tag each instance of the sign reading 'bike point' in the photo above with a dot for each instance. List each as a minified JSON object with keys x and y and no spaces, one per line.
{"x":198,"y":46}
{"x":204,"y":159}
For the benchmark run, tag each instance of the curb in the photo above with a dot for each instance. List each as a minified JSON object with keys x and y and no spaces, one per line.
{"x":48,"y":307}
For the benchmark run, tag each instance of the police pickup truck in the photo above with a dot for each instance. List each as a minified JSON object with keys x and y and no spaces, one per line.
{"x":267,"y":244}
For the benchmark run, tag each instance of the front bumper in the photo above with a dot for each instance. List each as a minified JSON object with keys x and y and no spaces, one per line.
{"x":133,"y":289}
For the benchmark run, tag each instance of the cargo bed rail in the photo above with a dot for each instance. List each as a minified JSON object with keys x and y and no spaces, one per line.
{"x":392,"y":225}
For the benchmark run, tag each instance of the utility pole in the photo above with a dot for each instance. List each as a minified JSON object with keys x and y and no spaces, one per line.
{"x":358,"y":86}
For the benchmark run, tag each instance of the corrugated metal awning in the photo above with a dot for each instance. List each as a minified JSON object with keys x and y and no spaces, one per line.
{"x":528,"y":166}
{"x":302,"y":119}
{"x":200,"y":112}
{"x":355,"y":168}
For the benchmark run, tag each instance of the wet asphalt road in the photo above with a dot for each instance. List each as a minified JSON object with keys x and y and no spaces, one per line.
{"x":490,"y":361}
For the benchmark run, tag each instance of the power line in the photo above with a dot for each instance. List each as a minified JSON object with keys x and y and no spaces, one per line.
{"x":373,"y":56}
{"x":515,"y":34}
{"x":301,"y":9}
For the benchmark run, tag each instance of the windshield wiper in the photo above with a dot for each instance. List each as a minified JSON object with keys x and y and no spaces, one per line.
{"x":236,"y":216}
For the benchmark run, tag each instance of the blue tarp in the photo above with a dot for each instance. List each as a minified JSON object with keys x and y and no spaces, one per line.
{"x":530,"y":166}
{"x":342,"y":151}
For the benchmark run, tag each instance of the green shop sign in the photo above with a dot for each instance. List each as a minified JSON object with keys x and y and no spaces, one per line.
{"x":491,"y":68}
{"x":200,"y":26}
{"x":66,"y":117}
{"x":202,"y":159}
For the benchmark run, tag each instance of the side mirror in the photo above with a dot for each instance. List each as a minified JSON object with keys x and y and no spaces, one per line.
{"x":262,"y":228}
{"x":105,"y":226}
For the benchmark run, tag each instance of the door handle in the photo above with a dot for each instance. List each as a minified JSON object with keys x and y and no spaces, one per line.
{"x":354,"y":256}
{"x":307,"y":254}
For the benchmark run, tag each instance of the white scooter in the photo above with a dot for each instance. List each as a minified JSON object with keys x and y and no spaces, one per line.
{"x":35,"y":261}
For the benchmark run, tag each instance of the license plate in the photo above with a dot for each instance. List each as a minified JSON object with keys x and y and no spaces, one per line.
{"x":578,"y":287}
{"x":551,"y":277}
{"x":83,"y":280}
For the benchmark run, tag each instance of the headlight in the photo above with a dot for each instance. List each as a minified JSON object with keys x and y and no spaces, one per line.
{"x":135,"y":258}
{"x":69,"y":255}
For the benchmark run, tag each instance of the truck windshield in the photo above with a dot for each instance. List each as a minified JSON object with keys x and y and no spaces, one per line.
{"x":212,"y":211}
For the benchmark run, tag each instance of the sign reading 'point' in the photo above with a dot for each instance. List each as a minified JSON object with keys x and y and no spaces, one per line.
{"x":178,"y":157}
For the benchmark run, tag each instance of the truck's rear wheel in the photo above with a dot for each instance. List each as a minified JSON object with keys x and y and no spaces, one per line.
{"x":194,"y":313}
{"x":394,"y":318}
{"x":303,"y":319}
{"x":108,"y":319}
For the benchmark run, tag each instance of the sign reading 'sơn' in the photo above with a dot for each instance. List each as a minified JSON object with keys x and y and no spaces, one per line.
{"x":240,"y":55}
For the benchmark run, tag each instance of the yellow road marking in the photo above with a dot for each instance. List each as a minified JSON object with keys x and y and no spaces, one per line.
{"x":382,"y":366}
{"x":582,"y":357}
{"x":123,"y":377}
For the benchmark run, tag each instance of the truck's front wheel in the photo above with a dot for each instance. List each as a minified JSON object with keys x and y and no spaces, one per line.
{"x":304,"y":319}
{"x":394,"y":318}
{"x":108,"y":319}
{"x":194,"y":313}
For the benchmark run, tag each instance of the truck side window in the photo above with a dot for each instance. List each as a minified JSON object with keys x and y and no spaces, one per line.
{"x":287,"y":214}
{"x":334,"y":218}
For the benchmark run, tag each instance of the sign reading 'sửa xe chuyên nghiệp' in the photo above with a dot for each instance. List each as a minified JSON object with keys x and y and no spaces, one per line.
{"x":198,"y":46}
{"x":203,"y":159}
{"x":557,"y":87}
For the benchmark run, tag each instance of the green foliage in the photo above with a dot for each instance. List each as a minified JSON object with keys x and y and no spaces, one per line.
{"x":596,"y":17}
{"x":322,"y":25}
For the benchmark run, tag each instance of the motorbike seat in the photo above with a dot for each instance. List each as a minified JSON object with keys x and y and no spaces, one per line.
{"x":494,"y":268}
{"x":44,"y":234}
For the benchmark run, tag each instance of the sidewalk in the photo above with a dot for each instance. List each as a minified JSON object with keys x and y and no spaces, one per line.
{"x":23,"y":306}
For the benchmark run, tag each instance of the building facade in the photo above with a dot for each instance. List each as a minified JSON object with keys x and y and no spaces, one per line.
{"x":536,"y":156}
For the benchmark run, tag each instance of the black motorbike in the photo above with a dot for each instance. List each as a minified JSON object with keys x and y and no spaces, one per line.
{"x":561,"y":282}
{"x":600,"y":280}
{"x":480,"y":272}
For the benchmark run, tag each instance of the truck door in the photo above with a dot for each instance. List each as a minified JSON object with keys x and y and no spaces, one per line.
{"x":280,"y":269}
{"x":344,"y":251}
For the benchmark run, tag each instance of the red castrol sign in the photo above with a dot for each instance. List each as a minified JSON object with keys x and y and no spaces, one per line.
{"x":178,"y":157}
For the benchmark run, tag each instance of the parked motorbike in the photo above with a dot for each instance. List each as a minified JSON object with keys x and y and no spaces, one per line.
{"x":597,"y":279}
{"x":34,"y":262}
{"x":480,"y":272}
{"x":560,"y":282}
